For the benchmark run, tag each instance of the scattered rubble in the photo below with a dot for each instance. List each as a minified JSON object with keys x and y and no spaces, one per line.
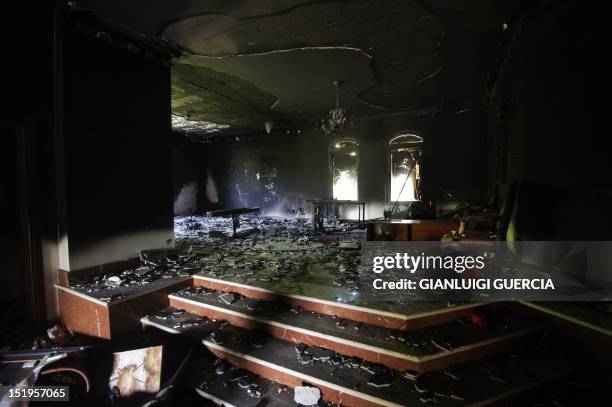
{"x":156,"y":269}
{"x":287,"y":255}
{"x":282,"y":251}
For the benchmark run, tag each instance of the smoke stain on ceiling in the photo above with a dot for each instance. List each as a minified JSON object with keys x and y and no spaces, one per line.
{"x":425,"y":54}
{"x":402,"y":37}
{"x":301,"y":79}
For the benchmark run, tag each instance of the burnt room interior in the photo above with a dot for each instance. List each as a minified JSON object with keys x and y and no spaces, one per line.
{"x":187,"y":187}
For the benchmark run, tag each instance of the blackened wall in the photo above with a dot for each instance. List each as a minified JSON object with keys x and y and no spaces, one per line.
{"x":118,"y":152}
{"x":11,"y":273}
{"x":26,"y":118}
{"x":543,"y":126}
{"x":280,"y":171}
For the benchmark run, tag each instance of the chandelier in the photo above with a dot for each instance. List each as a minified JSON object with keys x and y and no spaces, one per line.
{"x":337,"y":121}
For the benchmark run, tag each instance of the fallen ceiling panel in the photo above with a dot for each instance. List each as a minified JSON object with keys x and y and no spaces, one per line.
{"x":208,"y":101}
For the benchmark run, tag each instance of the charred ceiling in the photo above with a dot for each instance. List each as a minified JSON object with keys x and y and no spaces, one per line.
{"x":274,"y":60}
{"x":402,"y":37}
{"x":92,"y":25}
{"x":293,"y":90}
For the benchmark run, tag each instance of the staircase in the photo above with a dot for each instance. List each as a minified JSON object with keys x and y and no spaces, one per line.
{"x":356,"y":356}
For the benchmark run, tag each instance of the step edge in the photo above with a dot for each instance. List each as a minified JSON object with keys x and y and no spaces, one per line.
{"x":81,"y":295}
{"x":214,"y":399}
{"x":575,"y":321}
{"x":305,"y":331}
{"x":126,"y":298}
{"x":361,"y":345}
{"x":373,"y":311}
{"x":302,"y":376}
{"x":495,"y":400}
{"x":464,"y":348}
{"x":146,"y":321}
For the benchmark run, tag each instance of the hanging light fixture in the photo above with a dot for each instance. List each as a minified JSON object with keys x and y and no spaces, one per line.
{"x":337,"y":122}
{"x":268,"y":126}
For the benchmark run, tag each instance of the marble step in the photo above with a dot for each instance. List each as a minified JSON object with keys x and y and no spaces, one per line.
{"x":422,"y":314}
{"x":421,"y":350}
{"x":227,"y":385}
{"x":351,"y":381}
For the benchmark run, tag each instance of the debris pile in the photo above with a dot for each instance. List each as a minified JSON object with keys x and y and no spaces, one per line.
{"x":114,"y":286}
{"x":287,"y":255}
{"x":283,"y":252}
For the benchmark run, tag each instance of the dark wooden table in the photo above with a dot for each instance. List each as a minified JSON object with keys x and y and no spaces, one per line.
{"x":319,"y":206}
{"x":234,"y":213}
{"x":409,"y":229}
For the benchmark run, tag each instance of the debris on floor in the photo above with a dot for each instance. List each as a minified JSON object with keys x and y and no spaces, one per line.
{"x":288,"y":255}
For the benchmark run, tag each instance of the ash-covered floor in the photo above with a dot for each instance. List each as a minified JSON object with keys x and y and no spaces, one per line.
{"x":286,"y":255}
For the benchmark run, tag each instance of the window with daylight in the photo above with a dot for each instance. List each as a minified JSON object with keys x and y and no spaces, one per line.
{"x":405,"y":153}
{"x":344,"y":158}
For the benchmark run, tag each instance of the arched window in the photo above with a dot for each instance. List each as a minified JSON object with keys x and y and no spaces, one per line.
{"x":344,"y":158}
{"x":405,"y":152}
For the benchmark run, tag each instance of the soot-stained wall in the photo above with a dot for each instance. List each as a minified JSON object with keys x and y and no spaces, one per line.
{"x":281,"y":171}
{"x":118,"y":152}
{"x":189,"y":169}
{"x":11,"y":271}
{"x":27,"y":119}
{"x":543,"y":127}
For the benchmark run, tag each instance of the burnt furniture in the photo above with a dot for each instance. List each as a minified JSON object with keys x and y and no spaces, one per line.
{"x":234,"y":213}
{"x":409,"y":229}
{"x":321,"y":207}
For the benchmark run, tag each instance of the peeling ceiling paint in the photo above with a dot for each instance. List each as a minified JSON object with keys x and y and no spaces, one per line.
{"x":425,"y":53}
{"x":402,"y":37}
{"x":195,"y":128}
{"x":301,"y":79}
{"x":208,"y":101}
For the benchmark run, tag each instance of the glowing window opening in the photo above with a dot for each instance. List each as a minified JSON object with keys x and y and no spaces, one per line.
{"x":344,"y":157}
{"x":405,"y":152}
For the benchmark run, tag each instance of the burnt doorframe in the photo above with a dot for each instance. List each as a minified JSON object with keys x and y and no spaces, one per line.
{"x":30,"y":227}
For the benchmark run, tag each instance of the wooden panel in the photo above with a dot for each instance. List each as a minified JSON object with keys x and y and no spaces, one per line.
{"x":125,"y":315}
{"x":329,"y":391}
{"x":83,"y":316}
{"x":88,"y":316}
{"x":431,"y":231}
{"x":387,"y":231}
{"x":409,"y":229}
{"x":63,"y":278}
